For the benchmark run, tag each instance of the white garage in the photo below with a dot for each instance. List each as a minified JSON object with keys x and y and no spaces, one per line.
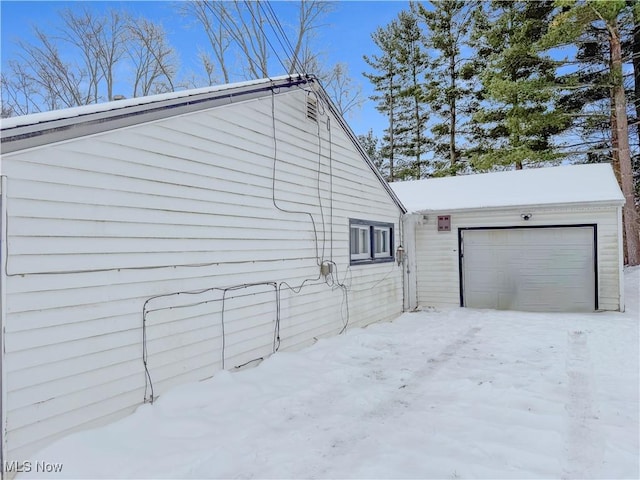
{"x":547,"y":239}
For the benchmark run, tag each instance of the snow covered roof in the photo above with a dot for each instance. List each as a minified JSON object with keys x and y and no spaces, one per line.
{"x":538,"y":186}
{"x":19,"y":133}
{"x":84,"y":110}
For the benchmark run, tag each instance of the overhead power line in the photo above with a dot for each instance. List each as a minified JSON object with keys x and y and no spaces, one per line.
{"x":296,"y":65}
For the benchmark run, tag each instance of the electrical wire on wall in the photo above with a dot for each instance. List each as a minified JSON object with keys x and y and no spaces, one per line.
{"x":330,"y":188}
{"x":319,"y":189}
{"x":274,"y":178}
{"x":148,"y":387}
{"x":331,"y":280}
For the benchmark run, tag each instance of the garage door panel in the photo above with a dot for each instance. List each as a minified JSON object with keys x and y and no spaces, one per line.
{"x":534,"y":269}
{"x":484,"y":299}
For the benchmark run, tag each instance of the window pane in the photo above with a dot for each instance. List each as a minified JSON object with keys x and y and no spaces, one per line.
{"x":382,"y":242}
{"x":354,"y":240}
{"x":359,"y":242}
{"x":364,"y":241}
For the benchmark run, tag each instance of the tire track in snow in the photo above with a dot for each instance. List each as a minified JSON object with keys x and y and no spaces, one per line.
{"x":430,"y":368}
{"x":394,"y":405}
{"x":435,"y":364}
{"x":583,"y":453}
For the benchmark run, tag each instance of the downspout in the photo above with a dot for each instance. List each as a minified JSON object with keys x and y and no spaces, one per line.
{"x":403,"y":260}
{"x":409,"y":274}
{"x":620,"y":261}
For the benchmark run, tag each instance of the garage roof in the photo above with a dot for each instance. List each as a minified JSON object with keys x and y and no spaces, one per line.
{"x":586,"y":183}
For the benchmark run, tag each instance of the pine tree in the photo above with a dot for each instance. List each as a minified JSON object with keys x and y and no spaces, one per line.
{"x":517,"y":121}
{"x":567,"y":26}
{"x":412,"y":142}
{"x":386,"y":84}
{"x":450,"y":97}
{"x":369,"y":143}
{"x":587,"y":95}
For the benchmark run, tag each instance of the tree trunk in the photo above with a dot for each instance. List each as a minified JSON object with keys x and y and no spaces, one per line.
{"x":636,"y":69}
{"x":624,"y":152}
{"x":416,"y":112}
{"x":615,"y":148}
{"x":392,"y":147}
{"x":452,"y":110}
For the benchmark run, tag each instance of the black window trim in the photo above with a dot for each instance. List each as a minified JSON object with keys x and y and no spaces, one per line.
{"x":373,"y":259}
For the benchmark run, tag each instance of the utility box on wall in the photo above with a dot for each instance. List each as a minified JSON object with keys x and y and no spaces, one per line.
{"x":444,"y":223}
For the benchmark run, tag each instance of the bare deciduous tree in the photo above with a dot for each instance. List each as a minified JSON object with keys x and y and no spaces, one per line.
{"x":219,"y":39}
{"x":82,"y":30}
{"x":209,"y":67}
{"x":112,"y":47}
{"x":238,"y":23}
{"x":19,"y":92}
{"x":100,"y":40}
{"x":82,"y":59}
{"x":252,"y":32}
{"x":341,"y":88}
{"x":60,"y":82}
{"x":245,"y":23}
{"x":309,"y":14}
{"x":154,"y":60}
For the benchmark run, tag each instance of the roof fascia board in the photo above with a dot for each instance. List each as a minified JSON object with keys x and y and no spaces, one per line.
{"x":43,"y":133}
{"x":582,"y":205}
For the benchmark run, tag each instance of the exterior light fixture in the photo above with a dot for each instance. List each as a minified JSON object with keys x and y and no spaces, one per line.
{"x":526,"y":216}
{"x":400,"y":254}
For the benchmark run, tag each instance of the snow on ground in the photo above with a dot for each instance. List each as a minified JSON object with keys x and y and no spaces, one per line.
{"x":446,"y":394}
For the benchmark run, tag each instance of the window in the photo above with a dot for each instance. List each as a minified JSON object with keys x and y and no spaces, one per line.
{"x":370,"y":242}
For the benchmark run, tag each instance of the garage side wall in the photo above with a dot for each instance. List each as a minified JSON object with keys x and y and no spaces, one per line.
{"x":437,"y":268}
{"x":106,"y":230}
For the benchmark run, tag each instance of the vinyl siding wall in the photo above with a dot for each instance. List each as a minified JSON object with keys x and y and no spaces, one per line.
{"x":100,"y":226}
{"x":437,"y":270}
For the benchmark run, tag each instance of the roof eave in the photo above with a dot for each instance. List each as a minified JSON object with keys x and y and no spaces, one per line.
{"x":73,"y":123}
{"x":587,"y":204}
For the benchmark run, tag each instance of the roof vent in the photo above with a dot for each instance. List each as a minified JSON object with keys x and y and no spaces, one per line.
{"x":312,"y":108}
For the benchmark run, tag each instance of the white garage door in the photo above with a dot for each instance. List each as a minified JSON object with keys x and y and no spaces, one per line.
{"x":529,"y":269}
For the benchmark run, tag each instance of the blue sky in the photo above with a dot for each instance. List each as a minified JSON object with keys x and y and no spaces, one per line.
{"x":345,"y":35}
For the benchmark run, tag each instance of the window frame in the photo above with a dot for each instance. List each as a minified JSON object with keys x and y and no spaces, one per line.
{"x":365,"y":258}
{"x":386,"y":237}
{"x":360,"y":254}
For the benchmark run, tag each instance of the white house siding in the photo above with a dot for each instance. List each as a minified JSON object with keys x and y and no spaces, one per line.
{"x":437,"y":252}
{"x":99,"y":225}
